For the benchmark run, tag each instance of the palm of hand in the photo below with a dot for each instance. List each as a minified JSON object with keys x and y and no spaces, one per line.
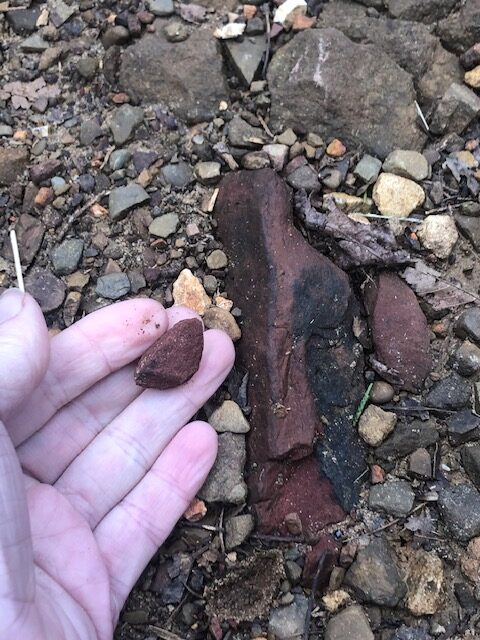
{"x":109,"y":468}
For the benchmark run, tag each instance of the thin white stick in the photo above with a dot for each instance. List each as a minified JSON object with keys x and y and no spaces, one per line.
{"x":16,"y":259}
{"x":422,"y":117}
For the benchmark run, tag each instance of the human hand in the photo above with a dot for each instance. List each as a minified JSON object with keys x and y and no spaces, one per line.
{"x":94,"y":471}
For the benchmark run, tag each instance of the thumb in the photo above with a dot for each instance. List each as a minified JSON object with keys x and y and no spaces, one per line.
{"x":24,"y":348}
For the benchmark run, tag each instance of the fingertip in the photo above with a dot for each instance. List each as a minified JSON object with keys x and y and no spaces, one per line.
{"x":222,"y":344}
{"x":179,"y":312}
{"x":199,"y":443}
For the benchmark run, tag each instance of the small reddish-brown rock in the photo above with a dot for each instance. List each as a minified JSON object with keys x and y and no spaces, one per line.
{"x":173,"y":358}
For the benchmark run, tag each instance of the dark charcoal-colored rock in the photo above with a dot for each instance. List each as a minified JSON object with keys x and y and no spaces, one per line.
{"x":45,"y":170}
{"x":410,"y":44}
{"x":425,"y":10}
{"x":470,"y":227}
{"x":407,"y":438}
{"x":173,"y":358}
{"x":460,"y":510}
{"x":471,"y":58}
{"x":23,"y":20}
{"x":186,"y":76}
{"x":468,"y":324}
{"x":461,"y":30}
{"x":395,"y":497}
{"x":463,"y":426}
{"x":300,"y":351}
{"x":456,"y":110}
{"x":466,"y":360}
{"x":374,"y":575}
{"x":400,"y":333}
{"x":332,"y":86}
{"x":453,"y":392}
{"x":471,"y":463}
{"x":48,"y":290}
{"x":12,"y":163}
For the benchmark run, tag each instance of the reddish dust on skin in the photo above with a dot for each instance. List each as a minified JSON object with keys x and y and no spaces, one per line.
{"x":173,"y":358}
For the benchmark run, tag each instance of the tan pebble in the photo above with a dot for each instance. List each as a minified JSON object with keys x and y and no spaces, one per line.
{"x":249,"y":11}
{"x":44,"y":196}
{"x":472,"y":78}
{"x":336,"y":148}
{"x":375,"y":425}
{"x":189,"y":291}
{"x":223,"y":303}
{"x":217,"y":318}
{"x":396,"y":196}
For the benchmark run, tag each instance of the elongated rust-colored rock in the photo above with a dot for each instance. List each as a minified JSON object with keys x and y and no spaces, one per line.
{"x":173,"y":358}
{"x":298,"y":346}
{"x":400,"y":332}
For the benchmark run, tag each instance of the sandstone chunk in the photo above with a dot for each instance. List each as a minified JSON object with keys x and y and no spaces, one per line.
{"x":373,"y":100}
{"x":396,"y":196}
{"x":189,"y":291}
{"x":173,"y":358}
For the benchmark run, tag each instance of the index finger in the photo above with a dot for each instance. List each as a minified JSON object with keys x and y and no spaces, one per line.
{"x":86,"y":352}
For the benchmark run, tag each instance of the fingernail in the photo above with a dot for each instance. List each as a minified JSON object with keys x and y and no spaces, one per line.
{"x":11,"y":303}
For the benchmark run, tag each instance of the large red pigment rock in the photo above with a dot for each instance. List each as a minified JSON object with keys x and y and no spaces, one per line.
{"x":305,"y":366}
{"x":400,"y":332}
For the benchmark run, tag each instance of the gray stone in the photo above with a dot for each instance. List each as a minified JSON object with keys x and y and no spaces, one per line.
{"x":305,"y":177}
{"x":237,"y":530}
{"x":245,"y":56}
{"x":124,"y":122}
{"x":34,"y":44}
{"x":176,"y":31}
{"x":293,"y":571}
{"x":411,"y":45}
{"x":89,"y":131}
{"x":288,"y":137}
{"x":420,"y":464}
{"x":409,"y":164}
{"x":456,"y":110}
{"x":453,"y":392}
{"x":116,"y":35}
{"x":229,"y":417}
{"x":349,"y":624}
{"x":278,"y":154}
{"x":406,"y":438}
{"x":87,"y":67}
{"x":423,"y":10}
{"x":470,"y":228}
{"x":119,"y":159}
{"x":288,"y":623}
{"x":207,"y":172}
{"x":461,"y":30}
{"x":178,"y":175}
{"x":395,"y":497}
{"x":459,"y":508}
{"x":164,"y":226}
{"x":463,"y":426}
{"x":368,"y":168}
{"x":374,"y":98}
{"x":217,"y":259}
{"x":161,"y":7}
{"x":382,"y":392}
{"x":374,"y":575}
{"x":6,"y":131}
{"x":66,"y":256}
{"x":113,"y":286}
{"x":186,"y":76}
{"x":23,"y":20}
{"x":59,"y":185}
{"x":225,"y":481}
{"x":241,"y":134}
{"x":60,"y":12}
{"x":122,"y":199}
{"x":468,"y":324}
{"x":471,"y":463}
{"x":466,"y":359}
